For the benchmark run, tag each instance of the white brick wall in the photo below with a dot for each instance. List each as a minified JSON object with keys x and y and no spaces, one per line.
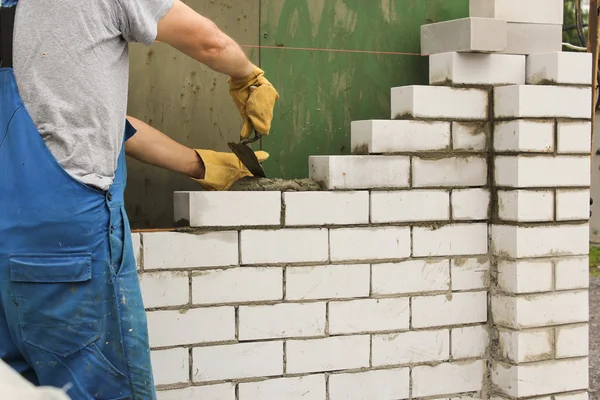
{"x":530,"y":101}
{"x":540,"y":309}
{"x":526,"y":346}
{"x":572,"y":273}
{"x":450,"y":378}
{"x":171,"y":366}
{"x":569,"y":68}
{"x":197,"y":325}
{"x":523,"y":276}
{"x":327,"y":282}
{"x":476,"y":69}
{"x":259,"y":208}
{"x":165,"y":289}
{"x":572,"y":341}
{"x":413,"y":276}
{"x":225,"y":391}
{"x":281,"y":321}
{"x":524,"y":136}
{"x":531,"y":172}
{"x":541,"y":378}
{"x":379,"y":384}
{"x":455,"y":239}
{"x":574,"y":137}
{"x":449,"y":171}
{"x":395,"y":136}
{"x":483,"y":35}
{"x":368,"y":315}
{"x":310,"y":387}
{"x":360,"y":172}
{"x":326,"y":208}
{"x":369,"y":243}
{"x":164,"y":250}
{"x":526,"y":205}
{"x":532,"y":11}
{"x":470,"y":273}
{"x":280,"y":246}
{"x":450,"y":309}
{"x":411,"y":347}
{"x":431,"y":102}
{"x":237,"y":285}
{"x":572,"y":205}
{"x":237,"y":361}
{"x":470,"y":136}
{"x":470,"y":204}
{"x":469,"y":342}
{"x":329,"y":354}
{"x":410,"y":205}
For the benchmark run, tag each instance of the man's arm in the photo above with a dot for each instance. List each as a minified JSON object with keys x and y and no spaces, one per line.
{"x":153,"y":147}
{"x":201,"y":39}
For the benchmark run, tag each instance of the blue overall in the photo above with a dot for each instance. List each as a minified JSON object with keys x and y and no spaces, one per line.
{"x":71,"y":311}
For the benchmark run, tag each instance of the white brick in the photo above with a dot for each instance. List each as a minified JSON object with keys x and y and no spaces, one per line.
{"x":208,"y":208}
{"x":224,"y":391}
{"x":526,"y":346}
{"x":470,"y":204}
{"x":454,"y":309}
{"x":449,"y":378}
{"x":542,"y":171}
{"x":171,"y":366}
{"x":525,"y":205}
{"x":283,"y":246}
{"x":329,"y":354}
{"x":410,"y":205}
{"x":360,"y":172}
{"x":453,"y":240}
{"x":413,"y":276}
{"x":464,"y":35}
{"x":368,"y":315}
{"x":533,"y":38}
{"x":572,"y":273}
{"x":162,"y":289}
{"x":524,"y":136}
{"x":199,"y":325}
{"x":540,"y":241}
{"x":540,"y":310}
{"x":450,"y":171}
{"x":530,"y":101}
{"x":572,"y":341}
{"x":237,"y":285}
{"x":411,"y":347}
{"x":326,"y":208}
{"x":381,"y":384}
{"x":281,"y":321}
{"x":369,"y":243}
{"x":470,"y":136}
{"x":396,"y":136}
{"x":572,"y":205}
{"x":470,"y":273}
{"x":136,"y":244}
{"x":574,"y":137}
{"x":525,"y":276}
{"x":476,"y":69}
{"x":541,"y":378}
{"x":310,"y":387}
{"x":469,"y":342}
{"x":567,"y":68}
{"x":430,"y":102}
{"x":237,"y":361}
{"x":531,"y":11}
{"x":163,"y":250}
{"x":327,"y":282}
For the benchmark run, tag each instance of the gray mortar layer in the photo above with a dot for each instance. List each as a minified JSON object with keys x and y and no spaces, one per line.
{"x":253,"y":184}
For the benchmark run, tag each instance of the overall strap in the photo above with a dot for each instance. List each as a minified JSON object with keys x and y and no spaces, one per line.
{"x":7,"y":23}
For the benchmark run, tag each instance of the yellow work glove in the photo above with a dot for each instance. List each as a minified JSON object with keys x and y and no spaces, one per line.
{"x":221,"y":170}
{"x":256,"y":107}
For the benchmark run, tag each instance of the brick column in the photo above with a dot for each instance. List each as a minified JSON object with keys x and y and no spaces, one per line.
{"x":539,"y":231}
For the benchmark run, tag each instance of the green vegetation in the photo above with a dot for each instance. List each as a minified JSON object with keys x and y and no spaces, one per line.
{"x":594,"y":261}
{"x":570,"y":35}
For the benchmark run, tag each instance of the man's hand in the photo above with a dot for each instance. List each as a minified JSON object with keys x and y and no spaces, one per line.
{"x":223,"y":169}
{"x":255,"y":98}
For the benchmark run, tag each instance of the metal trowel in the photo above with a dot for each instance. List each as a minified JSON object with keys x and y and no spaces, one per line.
{"x":247,"y":155}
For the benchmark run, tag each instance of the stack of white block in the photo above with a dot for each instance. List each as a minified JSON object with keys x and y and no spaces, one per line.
{"x":383,"y":286}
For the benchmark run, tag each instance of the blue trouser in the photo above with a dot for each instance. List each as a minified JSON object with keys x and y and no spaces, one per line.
{"x":71,"y":311}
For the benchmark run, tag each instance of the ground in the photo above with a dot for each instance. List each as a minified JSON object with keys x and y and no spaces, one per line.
{"x":594,"y":323}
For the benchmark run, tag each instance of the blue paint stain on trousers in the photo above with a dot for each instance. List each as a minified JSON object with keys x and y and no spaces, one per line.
{"x":71,"y":311}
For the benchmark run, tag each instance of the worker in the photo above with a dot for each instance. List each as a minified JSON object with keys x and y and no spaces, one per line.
{"x":71,"y":311}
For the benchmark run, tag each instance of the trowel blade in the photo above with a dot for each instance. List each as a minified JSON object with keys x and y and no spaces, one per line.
{"x":248,"y":158}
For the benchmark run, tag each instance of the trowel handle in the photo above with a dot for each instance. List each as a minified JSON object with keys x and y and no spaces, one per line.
{"x":256,"y":137}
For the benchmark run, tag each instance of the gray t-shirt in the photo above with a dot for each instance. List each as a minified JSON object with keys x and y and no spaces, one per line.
{"x":71,"y":63}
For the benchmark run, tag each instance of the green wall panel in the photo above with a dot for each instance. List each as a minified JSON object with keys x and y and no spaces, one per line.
{"x":323,"y":91}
